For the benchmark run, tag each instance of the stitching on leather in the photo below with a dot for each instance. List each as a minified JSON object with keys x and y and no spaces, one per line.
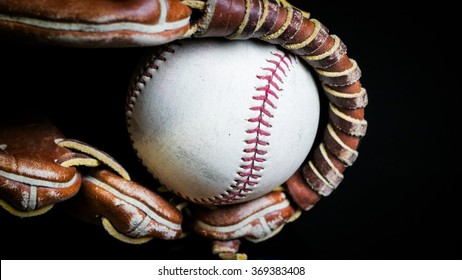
{"x":138,"y":84}
{"x":252,"y":163}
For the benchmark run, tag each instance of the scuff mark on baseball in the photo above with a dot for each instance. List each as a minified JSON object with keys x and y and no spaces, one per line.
{"x":221,"y":122}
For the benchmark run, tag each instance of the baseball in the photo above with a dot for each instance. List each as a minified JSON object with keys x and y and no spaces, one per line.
{"x":221,"y":122}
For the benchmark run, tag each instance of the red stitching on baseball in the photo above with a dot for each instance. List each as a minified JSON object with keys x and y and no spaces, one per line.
{"x":135,"y":89}
{"x":252,"y":161}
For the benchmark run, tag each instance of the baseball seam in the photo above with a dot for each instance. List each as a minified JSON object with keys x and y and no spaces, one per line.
{"x":138,"y":85}
{"x":252,"y":162}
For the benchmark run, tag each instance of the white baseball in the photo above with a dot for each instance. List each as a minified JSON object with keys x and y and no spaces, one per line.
{"x":221,"y":122}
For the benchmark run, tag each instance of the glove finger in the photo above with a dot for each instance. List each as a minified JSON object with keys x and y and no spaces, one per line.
{"x":256,"y":220}
{"x":33,"y":171}
{"x":38,"y":165}
{"x":127,"y":210}
{"x":94,"y":23}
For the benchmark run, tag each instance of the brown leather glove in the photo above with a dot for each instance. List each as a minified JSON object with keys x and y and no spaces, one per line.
{"x":256,"y":221}
{"x":94,"y":23}
{"x":127,"y":211}
{"x":38,"y":170}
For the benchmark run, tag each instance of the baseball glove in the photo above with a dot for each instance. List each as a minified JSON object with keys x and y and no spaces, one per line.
{"x":39,"y":167}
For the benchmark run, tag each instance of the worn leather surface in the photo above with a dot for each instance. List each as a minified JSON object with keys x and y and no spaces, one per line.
{"x":132,"y":209}
{"x":32,"y":175}
{"x":93,"y":23}
{"x":255,"y":220}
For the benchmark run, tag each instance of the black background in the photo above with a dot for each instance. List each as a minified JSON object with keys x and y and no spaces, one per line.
{"x":398,"y":201}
